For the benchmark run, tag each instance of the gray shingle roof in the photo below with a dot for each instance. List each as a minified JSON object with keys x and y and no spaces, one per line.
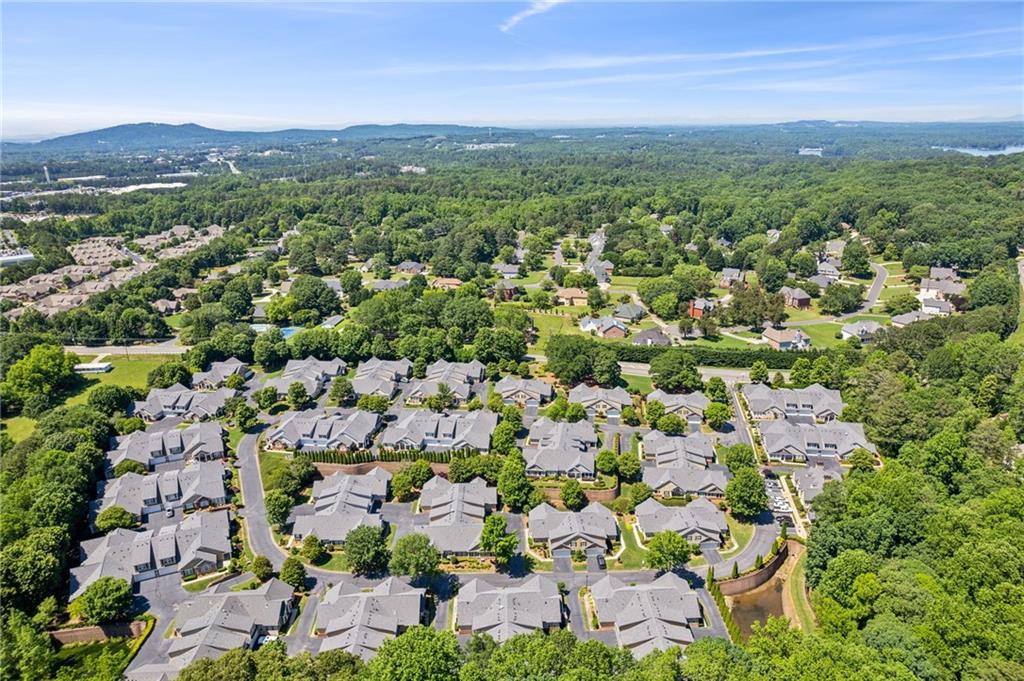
{"x":674,"y":450}
{"x":555,"y":447}
{"x":789,"y":440}
{"x":430,"y":431}
{"x":199,"y":441}
{"x":311,"y":372}
{"x":359,"y":622}
{"x":523,"y":389}
{"x":219,"y":372}
{"x":689,"y":405}
{"x":698,"y":521}
{"x":815,"y":400}
{"x":648,"y":617}
{"x":455,"y":513}
{"x":504,"y":612}
{"x":340,"y":503}
{"x":380,"y":376}
{"x":596,"y":398}
{"x":181,"y":401}
{"x":594,"y":526}
{"x":198,"y":483}
{"x":688,"y":479}
{"x":210,"y":625}
{"x":324,"y":429}
{"x":200,"y":538}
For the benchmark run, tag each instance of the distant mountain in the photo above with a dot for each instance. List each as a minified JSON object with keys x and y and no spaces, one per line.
{"x":149,"y":136}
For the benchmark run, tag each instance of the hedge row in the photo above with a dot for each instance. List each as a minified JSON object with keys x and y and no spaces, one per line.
{"x":719,"y":357}
{"x":723,"y":608}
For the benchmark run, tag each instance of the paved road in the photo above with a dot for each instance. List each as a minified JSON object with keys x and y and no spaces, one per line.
{"x":876,"y":289}
{"x":729,"y":375}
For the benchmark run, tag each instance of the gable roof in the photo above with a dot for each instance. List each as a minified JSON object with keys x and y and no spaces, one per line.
{"x":675,"y":450}
{"x":324,"y":429}
{"x":430,"y":431}
{"x":171,"y":488}
{"x":648,"y":617}
{"x":699,"y":517}
{"x":359,"y":621}
{"x":504,"y":612}
{"x":815,"y":399}
{"x":340,"y":503}
{"x":198,"y":440}
{"x":594,"y":525}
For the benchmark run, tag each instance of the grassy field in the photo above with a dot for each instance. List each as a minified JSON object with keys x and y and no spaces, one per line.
{"x":18,"y":427}
{"x":723,"y":342}
{"x":632,"y":558}
{"x":821,"y":335}
{"x":812,"y":312}
{"x":797,"y":585}
{"x":127,"y":371}
{"x":550,"y":325}
{"x":741,"y":534}
{"x":270,"y":462}
{"x":640,"y":384}
{"x":175,"y":320}
{"x":625,"y":282}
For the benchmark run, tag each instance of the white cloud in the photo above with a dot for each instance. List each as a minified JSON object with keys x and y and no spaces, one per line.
{"x":536,"y":7}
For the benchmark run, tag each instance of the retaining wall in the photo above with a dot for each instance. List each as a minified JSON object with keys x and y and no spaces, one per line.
{"x":98,"y":633}
{"x":748,"y":582}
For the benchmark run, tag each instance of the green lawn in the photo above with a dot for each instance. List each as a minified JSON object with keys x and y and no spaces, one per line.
{"x":550,"y":325}
{"x":201,"y":584}
{"x":270,"y":462}
{"x":812,"y":312}
{"x":641,"y":384}
{"x":821,"y":335}
{"x":18,"y":427}
{"x":741,"y":534}
{"x":127,"y":371}
{"x":175,"y":320}
{"x":632,"y":558}
{"x":625,"y":282}
{"x":797,"y":585}
{"x":336,"y":562}
{"x":531,"y":278}
{"x":722,"y":342}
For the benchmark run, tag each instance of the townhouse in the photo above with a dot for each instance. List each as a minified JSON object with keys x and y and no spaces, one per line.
{"x":813,"y":402}
{"x":694,"y":449}
{"x":523,"y":391}
{"x":647,"y":617}
{"x":601,"y":402}
{"x":592,"y":528}
{"x":381,"y":376}
{"x":687,"y":406}
{"x":556,"y":448}
{"x":340,"y":503}
{"x":314,"y":375}
{"x":219,"y":372}
{"x":452,"y":514}
{"x":200,"y":543}
{"x":324,"y":430}
{"x":700,"y":522}
{"x":786,"y":440}
{"x":503,"y":612}
{"x":197,"y":442}
{"x":460,"y":377}
{"x":359,"y":621}
{"x":432,"y":432}
{"x":180,"y":401}
{"x":196,"y":486}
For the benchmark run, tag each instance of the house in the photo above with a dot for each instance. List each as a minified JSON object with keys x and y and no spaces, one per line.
{"x":647,"y":617}
{"x":555,"y":448}
{"x":936,"y":307}
{"x":810,"y":481}
{"x":219,"y":372}
{"x":166,"y":307}
{"x":428,"y":431}
{"x":199,"y":485}
{"x":506,"y":271}
{"x":729,"y":276}
{"x":571,"y":296}
{"x":941,"y":289}
{"x":314,"y":375}
{"x":630,"y":312}
{"x":523,"y":391}
{"x":324,"y":430}
{"x":786,"y":440}
{"x":453,"y":514}
{"x":181,"y":401}
{"x":332,"y":321}
{"x":651,"y":337}
{"x":695,"y":449}
{"x":504,"y":611}
{"x":381,"y":376}
{"x":699,"y":307}
{"x":593,"y":527}
{"x":687,"y":480}
{"x":359,"y":621}
{"x":197,"y":442}
{"x":862,"y":330}
{"x":943,"y":273}
{"x":786,"y":339}
{"x":699,"y":522}
{"x":505,"y":289}
{"x":200,"y":543}
{"x":340,"y":503}
{"x":815,"y":402}
{"x":446,"y":283}
{"x":829,"y":268}
{"x":688,"y":406}
{"x":821,"y":281}
{"x":901,"y":320}
{"x":388,"y":285}
{"x":460,"y":377}
{"x":219,"y":620}
{"x":411,"y":267}
{"x":796,"y":297}
{"x":604,"y":327}
{"x":180,"y":294}
{"x":835,"y":247}
{"x":598,"y":401}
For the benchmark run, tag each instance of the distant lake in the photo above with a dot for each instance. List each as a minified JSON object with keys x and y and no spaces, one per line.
{"x":975,"y":151}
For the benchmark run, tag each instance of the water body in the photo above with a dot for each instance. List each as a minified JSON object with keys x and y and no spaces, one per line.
{"x":757,"y":605}
{"x":975,"y":151}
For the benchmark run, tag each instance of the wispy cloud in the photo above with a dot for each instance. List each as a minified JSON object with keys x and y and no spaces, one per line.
{"x":583,"y":62}
{"x":536,"y":7}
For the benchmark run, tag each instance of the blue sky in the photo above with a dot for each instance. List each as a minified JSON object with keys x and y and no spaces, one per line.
{"x":71,"y":67}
